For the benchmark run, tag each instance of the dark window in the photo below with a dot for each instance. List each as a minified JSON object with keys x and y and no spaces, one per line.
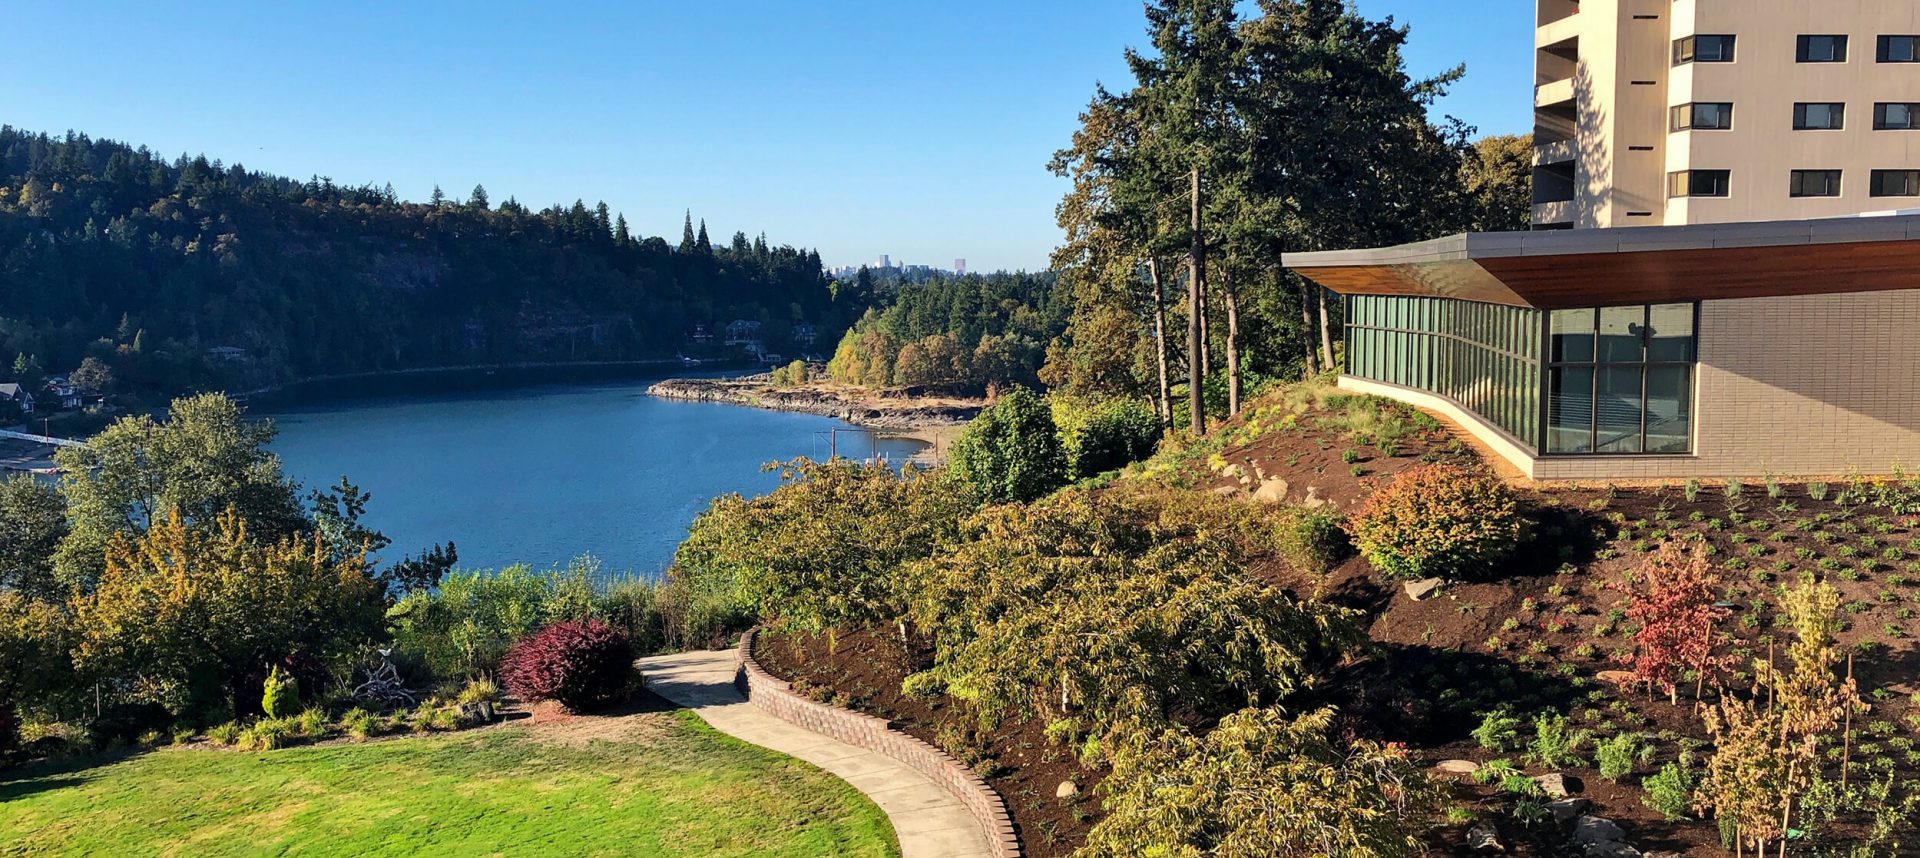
{"x":1822,"y":49}
{"x":1819,"y":116}
{"x":1899,"y":49}
{"x":1621,"y":380}
{"x":1896,"y":183}
{"x":1703,"y":115}
{"x":1699,"y":183}
{"x":1896,"y":116}
{"x":1703,"y":49}
{"x":1815,"y":183}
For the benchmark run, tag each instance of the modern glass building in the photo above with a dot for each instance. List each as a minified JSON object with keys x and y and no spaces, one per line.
{"x":1709,"y":350}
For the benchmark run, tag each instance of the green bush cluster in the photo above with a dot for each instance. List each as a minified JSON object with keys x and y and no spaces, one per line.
{"x":1098,"y":436}
{"x":1439,"y":521}
{"x":1011,"y":453}
{"x":281,"y":695}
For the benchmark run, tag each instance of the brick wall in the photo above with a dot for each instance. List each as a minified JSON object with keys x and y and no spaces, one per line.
{"x":881,"y":737}
{"x":1804,"y":385}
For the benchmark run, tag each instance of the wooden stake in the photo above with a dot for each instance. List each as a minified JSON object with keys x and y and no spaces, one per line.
{"x":1846,"y":736}
{"x":1700,"y":670}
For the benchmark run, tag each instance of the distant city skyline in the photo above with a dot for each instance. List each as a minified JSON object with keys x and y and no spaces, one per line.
{"x":658,"y":109}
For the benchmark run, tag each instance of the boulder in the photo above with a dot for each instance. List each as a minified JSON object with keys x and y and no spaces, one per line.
{"x":1233,"y":471}
{"x":1066,"y":789}
{"x":1271,"y":491}
{"x":1420,"y":590}
{"x":1596,"y":830}
{"x":1313,"y":498}
{"x":1568,"y":809}
{"x":1558,"y":785}
{"x":1612,"y":849}
{"x":1457,"y":767}
{"x":1483,"y":837}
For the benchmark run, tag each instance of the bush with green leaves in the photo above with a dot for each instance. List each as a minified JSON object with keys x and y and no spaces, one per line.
{"x":1114,"y":607}
{"x":823,"y":550}
{"x":281,"y":695}
{"x":1617,"y":757}
{"x":463,"y":628}
{"x":1499,"y":730}
{"x":1556,"y":744}
{"x":1011,"y":452}
{"x":1439,"y":521}
{"x":1313,"y":539}
{"x":1263,"y":783}
{"x":1671,"y":790}
{"x":1103,"y":435}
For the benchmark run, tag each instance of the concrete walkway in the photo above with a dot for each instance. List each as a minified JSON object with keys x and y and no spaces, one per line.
{"x":929,"y":822}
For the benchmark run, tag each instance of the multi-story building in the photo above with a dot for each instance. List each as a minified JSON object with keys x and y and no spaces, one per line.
{"x":1672,"y":112}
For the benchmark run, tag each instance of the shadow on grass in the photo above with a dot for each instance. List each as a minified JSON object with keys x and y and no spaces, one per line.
{"x":46,"y":775}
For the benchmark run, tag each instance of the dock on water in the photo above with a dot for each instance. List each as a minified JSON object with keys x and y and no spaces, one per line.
{"x":22,"y":451}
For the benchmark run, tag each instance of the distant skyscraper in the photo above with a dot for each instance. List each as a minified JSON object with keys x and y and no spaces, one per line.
{"x":959,"y":266}
{"x":885,"y":261}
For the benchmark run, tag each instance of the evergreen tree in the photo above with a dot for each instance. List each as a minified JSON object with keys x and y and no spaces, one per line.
{"x":620,"y":234}
{"x":686,"y":234}
{"x":478,"y":199}
{"x":439,"y":197}
{"x":702,"y":244}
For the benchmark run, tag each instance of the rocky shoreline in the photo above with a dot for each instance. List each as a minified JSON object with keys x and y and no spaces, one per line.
{"x":877,"y":412}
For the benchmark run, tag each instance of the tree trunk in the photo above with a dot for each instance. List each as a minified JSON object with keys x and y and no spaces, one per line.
{"x":1306,"y":329}
{"x":1233,"y":342}
{"x":1197,"y":264}
{"x":1206,"y":332}
{"x":1326,"y":332}
{"x":1160,"y":342}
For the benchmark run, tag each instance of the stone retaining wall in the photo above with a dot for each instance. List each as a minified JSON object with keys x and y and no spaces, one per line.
{"x":880,"y":736}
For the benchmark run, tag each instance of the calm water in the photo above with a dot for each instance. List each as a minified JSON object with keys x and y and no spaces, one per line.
{"x":540,"y":475}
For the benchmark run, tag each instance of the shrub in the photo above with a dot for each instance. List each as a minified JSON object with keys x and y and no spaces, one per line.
{"x":1499,"y":730}
{"x":1011,"y":452}
{"x":1556,"y":744}
{"x":923,"y":685}
{"x":1618,"y":756}
{"x":224,"y":735}
{"x":479,"y":691}
{"x":1438,"y":520}
{"x":464,"y":627}
{"x":1263,"y":784}
{"x":1674,"y":602}
{"x":1098,"y":437}
{"x":268,"y":734}
{"x":281,"y":695}
{"x":1314,"y":540}
{"x":579,"y":664}
{"x":359,"y":723}
{"x":1670,"y":791}
{"x":311,"y":723}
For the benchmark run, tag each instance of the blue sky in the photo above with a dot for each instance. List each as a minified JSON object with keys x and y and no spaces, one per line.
{"x":913,"y":128}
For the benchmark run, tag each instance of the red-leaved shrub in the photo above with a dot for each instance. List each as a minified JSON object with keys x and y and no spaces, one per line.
{"x":579,"y":664}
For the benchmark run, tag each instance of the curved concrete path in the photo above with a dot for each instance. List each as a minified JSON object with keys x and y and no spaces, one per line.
{"x":929,"y":822}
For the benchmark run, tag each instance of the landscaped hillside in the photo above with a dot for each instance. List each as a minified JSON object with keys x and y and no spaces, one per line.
{"x":147,"y":263}
{"x":1219,"y":650}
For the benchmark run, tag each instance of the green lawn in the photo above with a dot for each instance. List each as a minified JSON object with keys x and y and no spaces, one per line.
{"x":657,"y":784}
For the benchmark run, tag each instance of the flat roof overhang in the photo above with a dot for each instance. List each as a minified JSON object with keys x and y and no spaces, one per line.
{"x":1565,"y":269}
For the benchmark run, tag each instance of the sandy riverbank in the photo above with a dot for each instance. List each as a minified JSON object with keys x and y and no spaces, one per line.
{"x":934,"y":421}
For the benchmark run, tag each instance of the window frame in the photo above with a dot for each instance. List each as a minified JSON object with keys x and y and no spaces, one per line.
{"x":1598,"y":364}
{"x":1836,"y":111}
{"x":1880,"y":116}
{"x":1683,"y":116}
{"x":1680,"y":184}
{"x":1874,"y":183}
{"x":1882,"y":51}
{"x":1686,"y":49}
{"x":1803,"y":48}
{"x":1796,"y":187}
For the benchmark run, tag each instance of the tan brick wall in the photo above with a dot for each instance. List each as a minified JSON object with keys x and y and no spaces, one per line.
{"x":1795,"y":386}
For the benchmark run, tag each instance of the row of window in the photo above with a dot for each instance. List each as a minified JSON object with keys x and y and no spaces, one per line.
{"x":1807,"y":49}
{"x":1606,"y":380}
{"x":1807,"y":116}
{"x":1801,"y":183}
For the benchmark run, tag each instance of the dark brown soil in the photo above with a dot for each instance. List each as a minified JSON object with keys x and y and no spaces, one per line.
{"x":863,"y":669}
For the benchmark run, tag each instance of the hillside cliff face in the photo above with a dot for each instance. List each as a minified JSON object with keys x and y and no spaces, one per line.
{"x":108,"y":250}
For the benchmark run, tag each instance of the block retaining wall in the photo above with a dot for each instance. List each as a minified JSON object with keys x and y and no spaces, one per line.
{"x":881,"y":737}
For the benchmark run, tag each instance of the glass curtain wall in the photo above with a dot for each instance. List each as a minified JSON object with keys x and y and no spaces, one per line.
{"x":1614,"y":379}
{"x":1486,"y":357}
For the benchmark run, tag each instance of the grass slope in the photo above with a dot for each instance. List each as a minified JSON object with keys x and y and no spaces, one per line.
{"x":664,"y":785}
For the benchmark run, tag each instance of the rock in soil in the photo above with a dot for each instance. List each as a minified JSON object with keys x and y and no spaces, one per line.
{"x":1066,"y":789}
{"x":1482,"y":837}
{"x":1614,"y":849}
{"x":1457,"y":767}
{"x":1418,"y":590}
{"x":1596,"y":830}
{"x":1568,"y":809}
{"x":1559,"y":785}
{"x":1272,"y":491}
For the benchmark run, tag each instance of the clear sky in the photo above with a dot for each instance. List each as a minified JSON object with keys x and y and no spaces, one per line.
{"x":915,"y":128}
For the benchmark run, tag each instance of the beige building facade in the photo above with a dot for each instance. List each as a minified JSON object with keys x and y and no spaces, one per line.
{"x":1674,"y":112}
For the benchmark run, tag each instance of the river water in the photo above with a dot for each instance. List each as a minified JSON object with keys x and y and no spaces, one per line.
{"x":542,"y":474}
